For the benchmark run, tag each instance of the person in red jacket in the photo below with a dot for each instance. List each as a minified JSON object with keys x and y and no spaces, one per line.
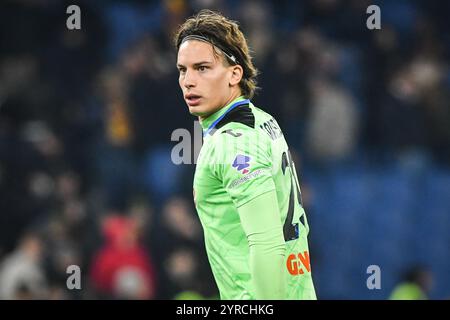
{"x":122,"y":268}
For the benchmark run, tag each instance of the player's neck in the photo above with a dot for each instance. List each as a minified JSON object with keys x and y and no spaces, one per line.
{"x":231,"y":99}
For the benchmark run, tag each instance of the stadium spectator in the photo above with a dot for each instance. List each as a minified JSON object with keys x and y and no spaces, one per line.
{"x":122,"y":268}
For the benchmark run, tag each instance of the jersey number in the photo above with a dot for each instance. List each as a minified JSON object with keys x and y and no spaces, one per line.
{"x":290,"y":229}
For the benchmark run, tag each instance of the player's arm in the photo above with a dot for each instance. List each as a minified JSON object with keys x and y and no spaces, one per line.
{"x":244,"y":167}
{"x":260,"y":220}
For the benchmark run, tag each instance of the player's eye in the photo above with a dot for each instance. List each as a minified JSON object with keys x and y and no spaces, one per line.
{"x":202,"y":68}
{"x":182,"y":70}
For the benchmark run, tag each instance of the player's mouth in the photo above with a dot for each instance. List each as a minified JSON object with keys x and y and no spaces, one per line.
{"x":192,"y":99}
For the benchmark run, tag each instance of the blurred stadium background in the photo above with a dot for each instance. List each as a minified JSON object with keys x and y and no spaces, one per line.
{"x":86,"y":118}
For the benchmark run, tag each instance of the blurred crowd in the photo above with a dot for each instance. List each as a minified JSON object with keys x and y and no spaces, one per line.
{"x":86,"y":118}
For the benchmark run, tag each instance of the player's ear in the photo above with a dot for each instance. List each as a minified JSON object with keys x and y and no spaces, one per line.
{"x":236,"y":74}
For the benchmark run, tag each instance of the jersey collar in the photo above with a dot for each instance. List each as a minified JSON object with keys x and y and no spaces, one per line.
{"x":209,"y":123}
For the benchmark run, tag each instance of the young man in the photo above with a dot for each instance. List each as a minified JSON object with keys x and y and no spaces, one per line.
{"x":245,"y":187}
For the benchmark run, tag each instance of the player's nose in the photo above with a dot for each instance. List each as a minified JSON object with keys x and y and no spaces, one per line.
{"x":189,"y":79}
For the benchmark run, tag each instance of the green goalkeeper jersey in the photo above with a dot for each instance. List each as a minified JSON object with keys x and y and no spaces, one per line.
{"x":244,"y":156}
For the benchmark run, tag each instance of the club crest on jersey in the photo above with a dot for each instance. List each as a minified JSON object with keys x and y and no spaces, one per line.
{"x":242,"y":163}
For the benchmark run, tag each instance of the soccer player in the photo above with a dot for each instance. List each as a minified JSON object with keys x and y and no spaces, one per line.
{"x":246,"y":189}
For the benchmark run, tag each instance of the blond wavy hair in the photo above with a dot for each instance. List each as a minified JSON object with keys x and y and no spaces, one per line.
{"x":226,"y":35}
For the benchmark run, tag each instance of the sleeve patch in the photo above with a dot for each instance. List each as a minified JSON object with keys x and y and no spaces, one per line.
{"x":242,"y":163}
{"x":250,"y":176}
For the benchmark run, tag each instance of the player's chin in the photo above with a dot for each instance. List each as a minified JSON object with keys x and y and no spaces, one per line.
{"x":196,"y":111}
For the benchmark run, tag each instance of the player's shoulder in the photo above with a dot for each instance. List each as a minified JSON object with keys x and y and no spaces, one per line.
{"x":243,"y":136}
{"x":261,"y":115}
{"x":244,"y":123}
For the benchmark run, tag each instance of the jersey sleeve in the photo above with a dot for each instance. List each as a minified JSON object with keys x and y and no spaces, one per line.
{"x":243,"y":163}
{"x":267,"y":246}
